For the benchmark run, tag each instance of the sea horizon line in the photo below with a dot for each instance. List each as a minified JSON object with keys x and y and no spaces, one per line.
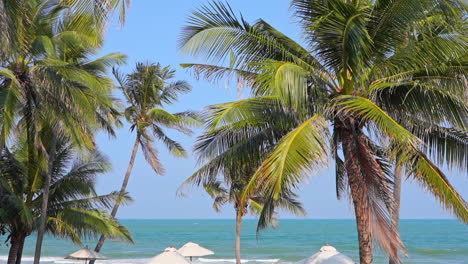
{"x":295,"y":219}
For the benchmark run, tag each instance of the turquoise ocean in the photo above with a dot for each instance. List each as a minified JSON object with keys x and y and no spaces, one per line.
{"x":427,"y":241}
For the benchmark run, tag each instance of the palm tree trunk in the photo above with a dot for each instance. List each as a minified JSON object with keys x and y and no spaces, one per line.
{"x":13,"y":249}
{"x":238,"y":233}
{"x":16,"y":238}
{"x":358,"y":194}
{"x":45,"y":198}
{"x":396,"y":201}
{"x":122,"y":191}
{"x":363,"y":227}
{"x":19,"y":254}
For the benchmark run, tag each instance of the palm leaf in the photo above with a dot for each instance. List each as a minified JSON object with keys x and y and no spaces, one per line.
{"x":87,"y":224}
{"x":223,"y":114}
{"x":367,"y":110}
{"x":151,"y":154}
{"x":299,"y":152}
{"x":434,"y":180}
{"x":408,"y":147}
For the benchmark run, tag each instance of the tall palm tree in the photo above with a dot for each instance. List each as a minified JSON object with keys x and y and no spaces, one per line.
{"x":147,"y":90}
{"x":385,"y":96}
{"x":54,"y":83}
{"x":75,"y":209}
{"x":229,"y":162}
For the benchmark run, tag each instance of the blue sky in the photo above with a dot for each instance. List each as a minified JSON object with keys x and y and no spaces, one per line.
{"x":151,"y":34}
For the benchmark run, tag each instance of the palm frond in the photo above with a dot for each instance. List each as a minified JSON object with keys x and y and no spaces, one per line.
{"x":151,"y":154}
{"x":367,"y":110}
{"x":101,"y":10}
{"x":173,"y":146}
{"x":434,"y":180}
{"x":100,"y":201}
{"x":173,"y":90}
{"x":299,"y":152}
{"x":447,"y":146}
{"x":218,"y":193}
{"x":285,"y":80}
{"x":407,"y":146}
{"x":103,"y":63}
{"x":178,"y":121}
{"x":392,"y":20}
{"x":216,"y":73}
{"x":80,"y":223}
{"x":223,"y":114}
{"x":216,"y":33}
{"x":431,"y":102}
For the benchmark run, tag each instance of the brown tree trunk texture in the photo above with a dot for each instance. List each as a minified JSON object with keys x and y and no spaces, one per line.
{"x":358,"y":194}
{"x":17,"y":238}
{"x":122,"y":192}
{"x":19,"y":255}
{"x":396,"y":202}
{"x":45,"y":199}
{"x":238,"y":233}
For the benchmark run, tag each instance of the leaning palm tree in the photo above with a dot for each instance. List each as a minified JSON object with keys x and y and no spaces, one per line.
{"x":75,"y":210}
{"x":390,"y":84}
{"x":229,"y":162}
{"x":147,"y":90}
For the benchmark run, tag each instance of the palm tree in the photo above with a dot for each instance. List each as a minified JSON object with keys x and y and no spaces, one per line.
{"x":53,"y":83}
{"x":75,"y":209}
{"x":390,"y":84}
{"x":147,"y":90}
{"x":229,"y":163}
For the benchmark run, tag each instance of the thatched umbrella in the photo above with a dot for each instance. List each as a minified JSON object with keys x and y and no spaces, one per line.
{"x":85,"y":254}
{"x":328,"y":255}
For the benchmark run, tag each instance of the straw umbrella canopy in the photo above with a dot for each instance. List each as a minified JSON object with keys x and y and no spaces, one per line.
{"x":329,"y":255}
{"x":169,"y":256}
{"x":194,"y":250}
{"x":85,"y":254}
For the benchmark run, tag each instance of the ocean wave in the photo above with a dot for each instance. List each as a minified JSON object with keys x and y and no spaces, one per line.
{"x":61,"y":260}
{"x":263,"y":261}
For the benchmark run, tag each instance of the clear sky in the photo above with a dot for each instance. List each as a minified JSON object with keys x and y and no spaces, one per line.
{"x":151,"y":34}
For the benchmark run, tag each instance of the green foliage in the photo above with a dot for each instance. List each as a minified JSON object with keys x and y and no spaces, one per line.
{"x":49,"y":85}
{"x":55,"y":81}
{"x":147,"y":90}
{"x":88,"y":16}
{"x":389,"y":76}
{"x":297,"y":153}
{"x":229,"y":154}
{"x":75,"y":210}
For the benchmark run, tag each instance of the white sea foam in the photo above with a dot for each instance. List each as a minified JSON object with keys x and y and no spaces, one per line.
{"x":61,"y":260}
{"x":204,"y":260}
